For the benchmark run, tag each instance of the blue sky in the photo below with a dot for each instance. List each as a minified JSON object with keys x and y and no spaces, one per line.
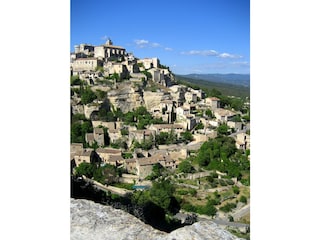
{"x":203,"y":36}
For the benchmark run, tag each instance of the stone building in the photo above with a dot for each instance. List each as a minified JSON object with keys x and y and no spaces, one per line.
{"x":224,"y":115}
{"x":190,"y":97}
{"x":98,"y":136}
{"x":149,"y":62}
{"x":85,"y":64}
{"x":243,"y":141}
{"x":235,"y":125}
{"x":86,"y":155}
{"x":108,"y":50}
{"x":177,"y":128}
{"x":89,"y":138}
{"x":106,"y":153}
{"x":213,"y":102}
{"x":114,"y":135}
{"x":130,"y":165}
{"x":140,"y":136}
{"x":144,"y":166}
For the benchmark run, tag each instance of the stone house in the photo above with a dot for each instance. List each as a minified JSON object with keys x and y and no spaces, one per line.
{"x":200,"y":94}
{"x":167,"y":108}
{"x":75,"y":148}
{"x":182,"y":112}
{"x":224,"y":115}
{"x":235,"y":125}
{"x":85,"y":64}
{"x":98,"y":136}
{"x":106,"y":153}
{"x":115,"y":160}
{"x":213,"y":102}
{"x":243,"y":141}
{"x":144,"y":166}
{"x":114,"y":135}
{"x":149,"y":62}
{"x":130,"y":165}
{"x":89,"y":137}
{"x":190,"y":97}
{"x":141,"y":135}
{"x":191,"y":122}
{"x":90,"y":76}
{"x":119,"y":68}
{"x":157,"y":75}
{"x":109,"y":125}
{"x":178,"y":92}
{"x":177,"y":128}
{"x":88,"y":156}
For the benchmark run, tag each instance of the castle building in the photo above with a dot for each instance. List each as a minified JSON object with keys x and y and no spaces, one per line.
{"x":108,"y":50}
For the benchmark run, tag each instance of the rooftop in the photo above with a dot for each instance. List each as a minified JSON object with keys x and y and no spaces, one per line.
{"x":108,"y":150}
{"x":98,"y":130}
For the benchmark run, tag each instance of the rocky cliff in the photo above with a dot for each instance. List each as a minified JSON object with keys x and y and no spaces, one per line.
{"x":90,"y":220}
{"x":125,"y":97}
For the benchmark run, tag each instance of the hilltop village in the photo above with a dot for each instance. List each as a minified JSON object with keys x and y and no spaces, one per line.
{"x":132,"y":114}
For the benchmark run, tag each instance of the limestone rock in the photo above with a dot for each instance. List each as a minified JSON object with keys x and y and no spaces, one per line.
{"x":90,"y":220}
{"x":94,"y":221}
{"x":125,"y":97}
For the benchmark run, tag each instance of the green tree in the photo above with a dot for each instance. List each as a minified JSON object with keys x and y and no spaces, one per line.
{"x":237,"y":118}
{"x":76,"y":133}
{"x":87,"y":96}
{"x":162,"y":194}
{"x":161,"y":138}
{"x":101,"y":95}
{"x":186,"y":136}
{"x":86,"y":169}
{"x":141,"y":111}
{"x":208,"y":113}
{"x":186,"y":167}
{"x":209,"y":208}
{"x":243,"y":199}
{"x":129,"y":117}
{"x":236,"y":104}
{"x":236,"y":189}
{"x":75,"y":80}
{"x":199,"y":126}
{"x":223,"y":129}
{"x":228,"y":207}
{"x":86,"y":127}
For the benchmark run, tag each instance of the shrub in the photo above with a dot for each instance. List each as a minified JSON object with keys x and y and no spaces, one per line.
{"x":243,"y":199}
{"x":188,"y":207}
{"x":228,"y":207}
{"x":230,"y":182}
{"x":222,"y":182}
{"x":235,"y":189}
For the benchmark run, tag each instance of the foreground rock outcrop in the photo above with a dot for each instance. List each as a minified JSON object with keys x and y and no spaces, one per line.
{"x":90,"y":220}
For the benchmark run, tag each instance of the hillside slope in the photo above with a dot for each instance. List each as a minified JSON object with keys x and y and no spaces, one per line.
{"x":225,"y":88}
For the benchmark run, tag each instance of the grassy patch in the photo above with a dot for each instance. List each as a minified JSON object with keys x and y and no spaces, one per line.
{"x":127,"y":186}
{"x":245,"y":219}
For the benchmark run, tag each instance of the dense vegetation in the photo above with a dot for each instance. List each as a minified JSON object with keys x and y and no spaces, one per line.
{"x":221,"y":154}
{"x":207,"y":86}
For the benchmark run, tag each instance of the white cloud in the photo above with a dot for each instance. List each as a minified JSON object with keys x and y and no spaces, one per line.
{"x":201,"y":52}
{"x":155,"y":45}
{"x":228,"y":55}
{"x":141,"y":43}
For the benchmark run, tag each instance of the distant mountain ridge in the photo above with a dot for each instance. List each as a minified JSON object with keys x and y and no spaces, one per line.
{"x":231,"y":78}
